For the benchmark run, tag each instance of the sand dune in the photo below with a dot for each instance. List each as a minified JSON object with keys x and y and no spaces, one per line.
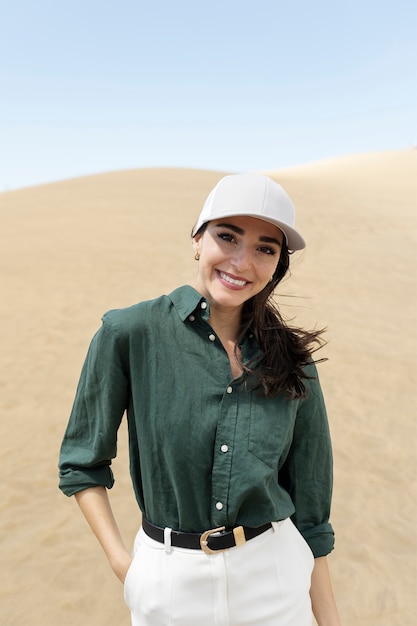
{"x":70,"y":251}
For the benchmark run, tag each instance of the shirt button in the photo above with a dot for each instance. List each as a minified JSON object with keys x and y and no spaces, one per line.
{"x":219,"y":506}
{"x":224,"y":448}
{"x":203,"y":305}
{"x":212,"y":337}
{"x":192,"y":318}
{"x":229,"y":389}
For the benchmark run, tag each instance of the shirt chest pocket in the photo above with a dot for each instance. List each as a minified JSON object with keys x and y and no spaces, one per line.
{"x":271,"y":426}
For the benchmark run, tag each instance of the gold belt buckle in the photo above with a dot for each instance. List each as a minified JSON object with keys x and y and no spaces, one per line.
{"x":204,"y":537}
{"x":238,"y":533}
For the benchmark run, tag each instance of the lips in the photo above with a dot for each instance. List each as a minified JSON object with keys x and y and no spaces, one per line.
{"x":235,"y":282}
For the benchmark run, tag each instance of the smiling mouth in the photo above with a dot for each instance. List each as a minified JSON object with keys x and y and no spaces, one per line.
{"x":233,"y":281}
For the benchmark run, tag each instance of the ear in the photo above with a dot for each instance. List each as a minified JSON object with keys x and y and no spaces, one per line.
{"x":197,"y":243}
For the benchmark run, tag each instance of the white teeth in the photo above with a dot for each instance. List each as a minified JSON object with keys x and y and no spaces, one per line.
{"x":232,"y":281}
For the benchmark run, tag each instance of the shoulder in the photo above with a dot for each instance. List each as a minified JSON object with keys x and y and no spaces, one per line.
{"x":136,"y":317}
{"x":153,"y":313}
{"x":313,"y":399}
{"x":310,"y":372}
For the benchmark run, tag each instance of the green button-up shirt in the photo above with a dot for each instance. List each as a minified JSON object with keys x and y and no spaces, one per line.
{"x":205,"y":450}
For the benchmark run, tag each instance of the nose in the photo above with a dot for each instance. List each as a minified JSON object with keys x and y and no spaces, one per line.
{"x":242,"y":258}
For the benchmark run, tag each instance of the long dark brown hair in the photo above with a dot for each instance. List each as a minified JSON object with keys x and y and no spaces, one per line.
{"x":285,"y":350}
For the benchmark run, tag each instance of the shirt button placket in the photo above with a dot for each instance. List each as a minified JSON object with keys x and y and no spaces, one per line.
{"x":223,"y":457}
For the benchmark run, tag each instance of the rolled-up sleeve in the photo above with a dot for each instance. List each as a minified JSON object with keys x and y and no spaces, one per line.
{"x":90,"y":440}
{"x":307,"y":474}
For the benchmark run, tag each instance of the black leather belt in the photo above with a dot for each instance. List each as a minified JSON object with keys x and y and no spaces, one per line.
{"x":211,"y":541}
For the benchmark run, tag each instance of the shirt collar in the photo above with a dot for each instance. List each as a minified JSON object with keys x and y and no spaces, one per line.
{"x":186,"y":299}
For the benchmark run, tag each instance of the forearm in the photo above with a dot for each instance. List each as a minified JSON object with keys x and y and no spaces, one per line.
{"x":322,"y":598}
{"x":95,"y":506}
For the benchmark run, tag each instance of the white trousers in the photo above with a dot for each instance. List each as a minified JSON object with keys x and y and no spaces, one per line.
{"x":264,"y":582}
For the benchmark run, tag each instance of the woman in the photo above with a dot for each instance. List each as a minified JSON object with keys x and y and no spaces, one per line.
{"x":230,"y":454}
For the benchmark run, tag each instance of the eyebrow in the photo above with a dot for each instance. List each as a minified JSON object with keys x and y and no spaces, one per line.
{"x":240,"y":231}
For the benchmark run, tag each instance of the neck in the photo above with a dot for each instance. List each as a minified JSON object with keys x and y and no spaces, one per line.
{"x":226,"y":323}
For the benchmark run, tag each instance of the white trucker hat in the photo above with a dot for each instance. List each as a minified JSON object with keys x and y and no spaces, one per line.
{"x":252,"y":195}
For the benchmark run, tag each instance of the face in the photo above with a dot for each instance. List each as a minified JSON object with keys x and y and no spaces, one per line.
{"x":238,"y":256}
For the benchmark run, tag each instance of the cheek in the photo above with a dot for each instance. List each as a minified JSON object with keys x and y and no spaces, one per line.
{"x":270,"y":266}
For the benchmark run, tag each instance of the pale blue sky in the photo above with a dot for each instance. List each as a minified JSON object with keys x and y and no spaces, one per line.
{"x":91,"y":86}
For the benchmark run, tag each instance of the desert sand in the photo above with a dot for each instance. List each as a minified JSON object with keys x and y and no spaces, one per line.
{"x":71,"y":250}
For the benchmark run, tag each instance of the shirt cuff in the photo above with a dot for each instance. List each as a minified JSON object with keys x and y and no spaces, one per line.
{"x":73,"y":480}
{"x":320,"y":539}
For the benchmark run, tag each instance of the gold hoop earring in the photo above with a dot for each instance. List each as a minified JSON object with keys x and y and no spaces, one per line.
{"x":197,"y":256}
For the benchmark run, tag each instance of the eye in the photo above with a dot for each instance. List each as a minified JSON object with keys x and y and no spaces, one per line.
{"x":226,"y":236}
{"x":267,"y":250}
